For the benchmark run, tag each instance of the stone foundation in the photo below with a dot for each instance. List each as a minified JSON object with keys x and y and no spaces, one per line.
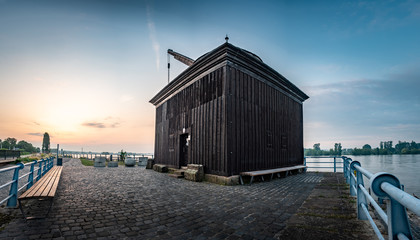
{"x":195,"y":173}
{"x":160,"y":168}
{"x":222,"y":180}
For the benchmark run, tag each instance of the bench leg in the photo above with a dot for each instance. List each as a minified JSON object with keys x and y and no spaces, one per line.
{"x":262,"y":177}
{"x":252,"y":178}
{"x":240,"y":179}
{"x":29,"y":218}
{"x":271,"y":176}
{"x":21,"y":209}
{"x":49,"y":209}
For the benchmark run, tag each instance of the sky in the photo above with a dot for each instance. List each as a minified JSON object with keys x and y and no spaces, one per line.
{"x":84,"y":71}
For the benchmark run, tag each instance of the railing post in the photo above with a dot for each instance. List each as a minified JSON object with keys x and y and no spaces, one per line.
{"x":335,"y":161}
{"x":361,"y":198}
{"x":353,"y":187}
{"x":344,"y":167}
{"x":31,"y":176}
{"x":44,"y":167}
{"x":346,"y":170}
{"x":12,"y":202}
{"x":39,"y":170}
{"x":397,"y":214}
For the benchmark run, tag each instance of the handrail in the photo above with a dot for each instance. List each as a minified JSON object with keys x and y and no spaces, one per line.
{"x":44,"y":166}
{"x":387,"y":187}
{"x":334,"y":162}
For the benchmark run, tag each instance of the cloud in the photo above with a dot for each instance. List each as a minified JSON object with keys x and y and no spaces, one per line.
{"x":94,"y":125}
{"x":386,"y":108}
{"x":108,"y":122}
{"x":152,"y":35}
{"x":35,"y":134}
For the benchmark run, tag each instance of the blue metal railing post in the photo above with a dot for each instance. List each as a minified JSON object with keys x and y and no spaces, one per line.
{"x":12,"y":202}
{"x":31,"y":175}
{"x":346,"y":170}
{"x":397,"y":214}
{"x":39,"y":170}
{"x":353,"y":186}
{"x":335,"y":164}
{"x":361,"y":198}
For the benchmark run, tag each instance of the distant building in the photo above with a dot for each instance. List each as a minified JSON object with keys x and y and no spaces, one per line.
{"x":230,"y":112}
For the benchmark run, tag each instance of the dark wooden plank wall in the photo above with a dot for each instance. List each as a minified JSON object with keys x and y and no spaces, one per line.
{"x":265,"y":128}
{"x":199,"y":109}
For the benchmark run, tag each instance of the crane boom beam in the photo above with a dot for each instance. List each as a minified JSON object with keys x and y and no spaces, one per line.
{"x":184,"y":59}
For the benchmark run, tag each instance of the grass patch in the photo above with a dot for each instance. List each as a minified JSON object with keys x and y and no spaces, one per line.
{"x":26,"y":159}
{"x":86,"y":162}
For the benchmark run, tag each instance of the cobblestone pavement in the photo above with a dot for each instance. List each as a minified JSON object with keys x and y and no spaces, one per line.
{"x":135,"y":203}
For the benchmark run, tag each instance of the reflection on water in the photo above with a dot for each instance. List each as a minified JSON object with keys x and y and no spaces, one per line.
{"x":405,"y":167}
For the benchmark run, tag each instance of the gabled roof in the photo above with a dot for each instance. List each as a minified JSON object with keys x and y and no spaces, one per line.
{"x":227,"y":54}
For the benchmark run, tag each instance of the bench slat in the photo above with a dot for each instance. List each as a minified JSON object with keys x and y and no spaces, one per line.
{"x":37,"y":185}
{"x":43,"y":183}
{"x":46,"y":186}
{"x":50,"y":184}
{"x":55,"y":185}
{"x":276,"y":170}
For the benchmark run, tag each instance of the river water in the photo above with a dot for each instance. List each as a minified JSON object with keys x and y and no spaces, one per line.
{"x":405,"y":167}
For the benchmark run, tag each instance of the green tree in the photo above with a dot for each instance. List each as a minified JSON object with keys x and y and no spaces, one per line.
{"x":367,"y":146}
{"x":27,"y":147}
{"x":12,"y":142}
{"x":46,"y":143}
{"x":5,"y":145}
{"x":337,"y":149}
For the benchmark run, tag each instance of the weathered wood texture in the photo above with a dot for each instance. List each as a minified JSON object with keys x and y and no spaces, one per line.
{"x":199,"y":110}
{"x":265,"y":128}
{"x":240,"y":114}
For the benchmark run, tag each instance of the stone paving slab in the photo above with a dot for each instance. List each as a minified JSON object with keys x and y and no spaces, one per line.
{"x":328,"y":213}
{"x":135,"y":203}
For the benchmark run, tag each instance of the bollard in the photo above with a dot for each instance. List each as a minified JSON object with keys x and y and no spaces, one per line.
{"x":59,"y":161}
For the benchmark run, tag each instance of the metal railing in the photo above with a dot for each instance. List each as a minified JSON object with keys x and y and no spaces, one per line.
{"x":43,"y":166}
{"x":109,"y":157}
{"x":387,"y":187}
{"x":337,"y":162}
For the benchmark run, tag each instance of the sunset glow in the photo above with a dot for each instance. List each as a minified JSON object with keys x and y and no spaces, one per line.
{"x":85,"y":71}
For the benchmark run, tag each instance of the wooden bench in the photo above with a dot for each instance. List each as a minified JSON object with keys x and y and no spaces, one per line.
{"x":269,"y":171}
{"x":44,"y":188}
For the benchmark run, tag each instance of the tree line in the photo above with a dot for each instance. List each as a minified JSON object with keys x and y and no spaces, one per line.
{"x":12,"y":144}
{"x":385,"y":148}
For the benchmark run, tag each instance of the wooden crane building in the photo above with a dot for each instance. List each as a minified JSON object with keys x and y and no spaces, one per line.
{"x":231,"y":113}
